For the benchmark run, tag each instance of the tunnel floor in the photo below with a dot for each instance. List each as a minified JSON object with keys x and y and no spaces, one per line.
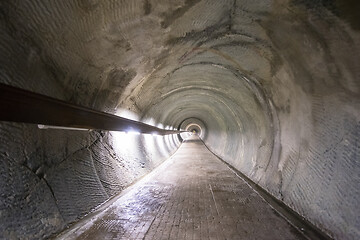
{"x":193,"y":195}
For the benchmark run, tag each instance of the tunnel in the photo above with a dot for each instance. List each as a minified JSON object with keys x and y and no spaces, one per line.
{"x":270,"y":88}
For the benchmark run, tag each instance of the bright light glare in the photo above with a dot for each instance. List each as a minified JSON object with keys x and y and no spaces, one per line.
{"x":150,"y":121}
{"x":133,"y":132}
{"x":122,"y":141}
{"x":121,"y":112}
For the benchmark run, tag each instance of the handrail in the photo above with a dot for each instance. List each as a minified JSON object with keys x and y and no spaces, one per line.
{"x":18,"y":105}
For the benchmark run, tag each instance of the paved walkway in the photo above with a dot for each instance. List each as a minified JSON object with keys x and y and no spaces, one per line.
{"x":193,"y":195}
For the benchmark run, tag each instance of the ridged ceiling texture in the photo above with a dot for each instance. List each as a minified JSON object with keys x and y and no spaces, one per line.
{"x":273,"y":85}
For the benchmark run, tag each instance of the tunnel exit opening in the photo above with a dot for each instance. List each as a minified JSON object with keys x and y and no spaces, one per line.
{"x":193,"y":129}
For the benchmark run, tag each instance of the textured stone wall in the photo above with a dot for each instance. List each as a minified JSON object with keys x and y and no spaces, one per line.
{"x":51,"y":178}
{"x":275,"y":83}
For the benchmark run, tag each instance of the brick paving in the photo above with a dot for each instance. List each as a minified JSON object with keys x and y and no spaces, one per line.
{"x":193,"y":195}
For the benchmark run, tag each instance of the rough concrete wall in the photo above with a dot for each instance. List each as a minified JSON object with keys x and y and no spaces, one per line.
{"x":276,"y":83}
{"x":318,"y":110}
{"x":51,"y":178}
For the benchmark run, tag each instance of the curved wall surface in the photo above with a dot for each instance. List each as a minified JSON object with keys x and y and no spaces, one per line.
{"x":274,"y":86}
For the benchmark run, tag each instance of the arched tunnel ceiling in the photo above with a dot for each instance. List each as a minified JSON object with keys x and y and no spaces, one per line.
{"x":276,"y":83}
